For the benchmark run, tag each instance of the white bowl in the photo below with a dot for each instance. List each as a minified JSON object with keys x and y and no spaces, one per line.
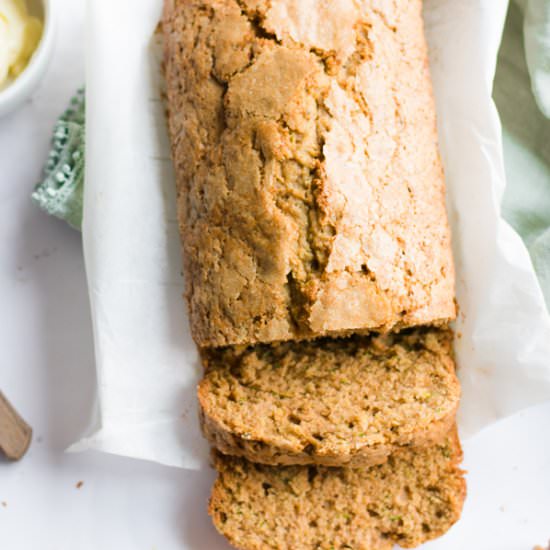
{"x":16,"y":92}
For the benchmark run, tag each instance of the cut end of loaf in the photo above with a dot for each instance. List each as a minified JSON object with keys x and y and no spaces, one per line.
{"x":412,"y":498}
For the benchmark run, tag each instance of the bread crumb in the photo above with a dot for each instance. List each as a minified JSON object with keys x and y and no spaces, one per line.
{"x":4,"y":504}
{"x":79,"y":484}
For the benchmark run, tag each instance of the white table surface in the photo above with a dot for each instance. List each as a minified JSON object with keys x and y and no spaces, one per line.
{"x":47,"y":371}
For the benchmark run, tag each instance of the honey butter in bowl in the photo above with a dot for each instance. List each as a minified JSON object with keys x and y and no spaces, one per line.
{"x":26,"y":43}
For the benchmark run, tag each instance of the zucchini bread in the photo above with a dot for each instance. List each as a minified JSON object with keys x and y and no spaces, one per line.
{"x":310,"y":188}
{"x":412,"y":498}
{"x":341,"y":401}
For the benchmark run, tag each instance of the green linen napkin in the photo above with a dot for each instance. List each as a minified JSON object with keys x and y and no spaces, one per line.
{"x":522,"y":94}
{"x":62,"y":189}
{"x":537,"y":49}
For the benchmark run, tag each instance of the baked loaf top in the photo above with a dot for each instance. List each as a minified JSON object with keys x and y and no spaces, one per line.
{"x":348,"y":401}
{"x":311,"y":192}
{"x":412,"y":498}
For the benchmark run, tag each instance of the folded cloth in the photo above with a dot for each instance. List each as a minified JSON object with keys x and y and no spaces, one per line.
{"x":522,"y":97}
{"x":536,"y":28}
{"x":62,"y":189}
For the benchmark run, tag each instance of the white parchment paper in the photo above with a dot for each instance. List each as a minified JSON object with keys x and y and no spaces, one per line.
{"x":146,"y":362}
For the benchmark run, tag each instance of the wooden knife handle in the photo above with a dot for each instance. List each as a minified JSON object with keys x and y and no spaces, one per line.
{"x":15,"y":433}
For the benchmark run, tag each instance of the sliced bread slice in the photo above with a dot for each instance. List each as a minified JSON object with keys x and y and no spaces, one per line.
{"x":413,"y":497}
{"x":349,"y":401}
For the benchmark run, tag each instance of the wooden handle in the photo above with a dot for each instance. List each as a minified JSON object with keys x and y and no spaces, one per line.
{"x":15,"y":433}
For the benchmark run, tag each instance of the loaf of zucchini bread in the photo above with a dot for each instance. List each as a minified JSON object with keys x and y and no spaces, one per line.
{"x":310,"y":188}
{"x":315,"y":244}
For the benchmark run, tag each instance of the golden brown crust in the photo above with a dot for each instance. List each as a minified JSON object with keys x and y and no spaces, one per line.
{"x":414,"y":497}
{"x":333,"y":402}
{"x":310,"y":189}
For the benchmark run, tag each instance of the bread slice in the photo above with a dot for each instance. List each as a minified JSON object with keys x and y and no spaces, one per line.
{"x":414,"y":497}
{"x":332,"y":401}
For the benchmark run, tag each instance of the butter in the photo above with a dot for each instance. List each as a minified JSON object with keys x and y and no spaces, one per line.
{"x":19,"y":36}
